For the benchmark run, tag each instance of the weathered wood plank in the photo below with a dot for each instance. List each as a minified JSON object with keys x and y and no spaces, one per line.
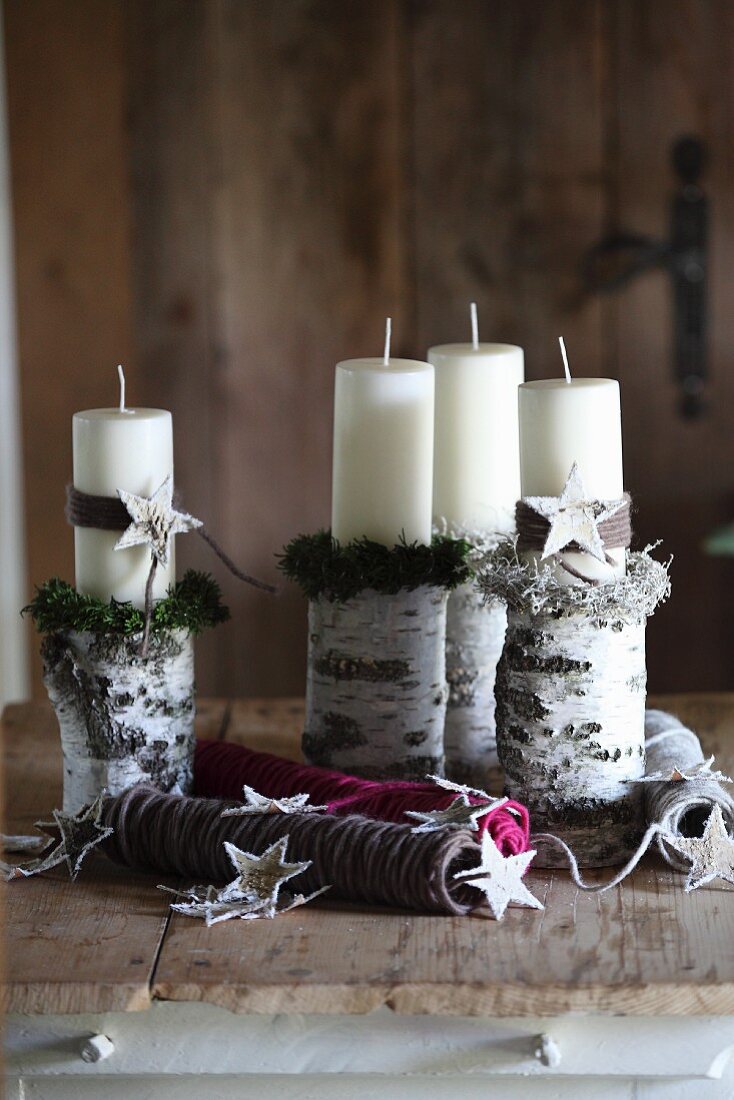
{"x":672,"y":64}
{"x":84,"y":946}
{"x":644,"y":949}
{"x":509,"y":190}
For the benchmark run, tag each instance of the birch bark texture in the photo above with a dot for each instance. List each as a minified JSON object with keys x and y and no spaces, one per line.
{"x":571,"y":730}
{"x":682,"y":807}
{"x":376,"y":688}
{"x":123,"y":719}
{"x":475,"y":635}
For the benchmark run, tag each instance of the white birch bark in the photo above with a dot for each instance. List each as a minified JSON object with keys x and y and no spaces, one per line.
{"x":682,"y":807}
{"x":123,"y":719}
{"x":376,"y":685}
{"x":475,"y":635}
{"x":570,"y":717}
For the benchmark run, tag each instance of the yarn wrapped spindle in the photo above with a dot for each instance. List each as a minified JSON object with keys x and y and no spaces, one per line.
{"x":123,"y":718}
{"x":682,"y":807}
{"x":364,"y":861}
{"x":222,"y":769}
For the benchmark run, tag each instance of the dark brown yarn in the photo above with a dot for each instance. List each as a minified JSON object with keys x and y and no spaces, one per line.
{"x":110,"y":514}
{"x":374,"y":862}
{"x":532,"y":529}
{"x":87,"y":510}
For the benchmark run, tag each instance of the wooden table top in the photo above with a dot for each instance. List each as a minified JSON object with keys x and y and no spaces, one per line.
{"x":108,"y":942}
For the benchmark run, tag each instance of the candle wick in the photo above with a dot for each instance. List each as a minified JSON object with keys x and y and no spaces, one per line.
{"x":474,"y":326}
{"x":121,"y":376}
{"x":565,"y":359}
{"x":388,"y":337}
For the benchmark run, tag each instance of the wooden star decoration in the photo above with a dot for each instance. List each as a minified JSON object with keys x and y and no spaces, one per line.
{"x":500,"y":878}
{"x":697,"y":773}
{"x":461,"y":814}
{"x":261,"y":804}
{"x":255,"y":893}
{"x":573,"y":518}
{"x":154,"y":521}
{"x":77,"y":835}
{"x":711,"y":855}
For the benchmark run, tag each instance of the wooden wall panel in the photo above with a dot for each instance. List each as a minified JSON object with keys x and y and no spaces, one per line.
{"x":66,"y":71}
{"x":673,"y":64}
{"x":508,"y":147}
{"x":269,"y":238}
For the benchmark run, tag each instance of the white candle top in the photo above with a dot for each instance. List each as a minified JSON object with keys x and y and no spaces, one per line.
{"x":121,"y":414}
{"x":563,"y":422}
{"x":379,"y":366}
{"x":497,"y":351}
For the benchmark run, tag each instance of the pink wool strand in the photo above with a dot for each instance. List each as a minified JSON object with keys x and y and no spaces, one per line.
{"x":222,"y":769}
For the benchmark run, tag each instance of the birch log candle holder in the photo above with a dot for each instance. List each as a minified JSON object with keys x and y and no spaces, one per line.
{"x":475,"y":635}
{"x":570,"y":697}
{"x":376,"y":687}
{"x":124,"y":718}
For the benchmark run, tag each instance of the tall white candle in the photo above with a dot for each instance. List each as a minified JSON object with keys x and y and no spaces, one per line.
{"x":567,"y":420}
{"x":476,"y":474}
{"x":115,"y":449}
{"x":383,"y":450}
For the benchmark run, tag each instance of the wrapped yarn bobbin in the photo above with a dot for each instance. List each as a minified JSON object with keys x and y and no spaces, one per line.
{"x":124,"y":719}
{"x":688,"y":789}
{"x":376,"y":678}
{"x":570,"y":694}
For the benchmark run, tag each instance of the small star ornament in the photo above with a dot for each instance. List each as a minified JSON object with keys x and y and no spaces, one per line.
{"x":711,"y":855}
{"x":77,"y":834}
{"x":697,"y":773}
{"x":154,"y":521}
{"x":254,"y":894}
{"x":260,"y":804}
{"x":573,"y":518}
{"x":461,"y":814}
{"x":500,"y":878}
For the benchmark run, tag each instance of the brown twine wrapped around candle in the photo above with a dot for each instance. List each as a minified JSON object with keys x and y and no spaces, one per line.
{"x":532,"y":528}
{"x":110,"y":514}
{"x":374,"y":862}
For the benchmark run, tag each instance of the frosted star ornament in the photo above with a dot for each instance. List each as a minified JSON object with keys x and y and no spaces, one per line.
{"x":154,"y":521}
{"x":711,"y":855}
{"x":696,"y":773}
{"x":254,"y":894}
{"x":573,"y":518}
{"x":499,"y":878}
{"x":255,"y":803}
{"x":76,"y":836}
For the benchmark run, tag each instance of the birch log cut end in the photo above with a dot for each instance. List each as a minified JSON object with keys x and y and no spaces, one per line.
{"x":570,"y":730}
{"x":123,"y":719}
{"x":376,"y":685}
{"x":475,"y":635}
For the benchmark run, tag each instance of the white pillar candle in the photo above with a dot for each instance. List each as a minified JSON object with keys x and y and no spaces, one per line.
{"x":579,"y":420}
{"x":115,"y":449}
{"x":476,"y":472}
{"x":383,"y":450}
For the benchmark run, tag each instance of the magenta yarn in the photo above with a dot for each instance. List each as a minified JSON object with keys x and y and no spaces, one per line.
{"x":222,"y":769}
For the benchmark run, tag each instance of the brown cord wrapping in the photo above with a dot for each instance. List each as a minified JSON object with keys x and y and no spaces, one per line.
{"x":367,"y":861}
{"x":532,"y":528}
{"x":87,"y":510}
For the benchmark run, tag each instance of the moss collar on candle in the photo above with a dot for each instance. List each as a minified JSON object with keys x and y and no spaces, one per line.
{"x":324,"y":568}
{"x":193,"y":604}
